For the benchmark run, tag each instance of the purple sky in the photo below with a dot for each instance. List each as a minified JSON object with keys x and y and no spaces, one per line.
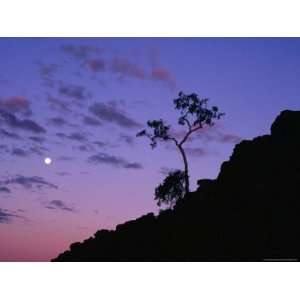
{"x":80,"y":101}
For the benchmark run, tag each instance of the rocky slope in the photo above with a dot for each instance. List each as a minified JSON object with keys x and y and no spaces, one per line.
{"x":250,"y":212}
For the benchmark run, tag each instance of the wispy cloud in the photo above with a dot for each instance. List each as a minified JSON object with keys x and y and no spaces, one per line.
{"x":111,"y":113}
{"x":86,"y":148}
{"x":24,"y":124}
{"x":10,"y":135}
{"x":60,"y":205}
{"x":122,"y":66}
{"x":26,"y":151}
{"x":63,"y":173}
{"x":81,"y":52}
{"x":102,"y":144}
{"x":163,"y":75}
{"x":28,"y":182}
{"x":96,"y":65}
{"x":125,"y":68}
{"x":91,"y":121}
{"x":74,"y":91}
{"x":16,"y":104}
{"x":65,"y":158}
{"x":47,"y":73}
{"x":4,"y":189}
{"x":47,"y":69}
{"x":7,"y":216}
{"x":229,"y":138}
{"x":217,"y":134}
{"x":57,"y":121}
{"x":4,"y":149}
{"x":127,"y":139}
{"x":19,"y":152}
{"x":75,"y":136}
{"x":115,"y":161}
{"x":58,"y":104}
{"x":209,"y":134}
{"x":39,"y":150}
{"x":37,"y":139}
{"x":196,"y":152}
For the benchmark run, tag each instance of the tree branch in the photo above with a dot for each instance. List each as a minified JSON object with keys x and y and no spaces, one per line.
{"x":173,"y":139}
{"x":188,"y":134}
{"x":187,"y":122}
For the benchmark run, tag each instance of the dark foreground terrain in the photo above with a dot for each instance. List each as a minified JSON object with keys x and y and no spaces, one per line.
{"x":250,"y":212}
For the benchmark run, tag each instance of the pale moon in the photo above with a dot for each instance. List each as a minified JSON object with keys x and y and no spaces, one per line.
{"x":48,"y":160}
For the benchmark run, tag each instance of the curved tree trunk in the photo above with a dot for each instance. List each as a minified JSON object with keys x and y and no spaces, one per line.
{"x":186,"y":170}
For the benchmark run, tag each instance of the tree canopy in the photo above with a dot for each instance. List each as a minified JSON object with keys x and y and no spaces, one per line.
{"x":194,"y":114}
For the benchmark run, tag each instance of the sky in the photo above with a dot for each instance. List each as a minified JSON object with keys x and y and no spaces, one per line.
{"x":81,"y":101}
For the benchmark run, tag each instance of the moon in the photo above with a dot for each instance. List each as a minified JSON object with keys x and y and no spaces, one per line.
{"x":48,"y":160}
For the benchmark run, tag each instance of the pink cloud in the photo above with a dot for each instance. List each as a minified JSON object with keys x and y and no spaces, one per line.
{"x":207,"y":134}
{"x":124,"y":68}
{"x":163,"y":75}
{"x":15,"y":104}
{"x":229,"y":138}
{"x":96,"y":65}
{"x":217,"y":134}
{"x":177,"y":134}
{"x":196,"y":152}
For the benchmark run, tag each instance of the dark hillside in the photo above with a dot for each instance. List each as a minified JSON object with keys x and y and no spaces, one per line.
{"x":250,"y":212}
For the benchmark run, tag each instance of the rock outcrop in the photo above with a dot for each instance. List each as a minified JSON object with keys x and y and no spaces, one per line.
{"x":250,"y":212}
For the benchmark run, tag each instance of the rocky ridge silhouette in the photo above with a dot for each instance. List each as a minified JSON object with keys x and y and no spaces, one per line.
{"x":250,"y":212}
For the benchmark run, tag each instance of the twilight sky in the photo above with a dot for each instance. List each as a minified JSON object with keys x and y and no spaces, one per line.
{"x":80,"y":101}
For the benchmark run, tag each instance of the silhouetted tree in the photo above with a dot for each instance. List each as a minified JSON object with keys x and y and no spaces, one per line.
{"x":194,"y":114}
{"x":171,"y":190}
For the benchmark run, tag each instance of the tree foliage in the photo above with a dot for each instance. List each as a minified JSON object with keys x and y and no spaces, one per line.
{"x":171,"y":190}
{"x":194,"y":111}
{"x":160,"y":132}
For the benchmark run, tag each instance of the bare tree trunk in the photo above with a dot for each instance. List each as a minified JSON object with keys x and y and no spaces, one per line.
{"x":186,"y":170}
